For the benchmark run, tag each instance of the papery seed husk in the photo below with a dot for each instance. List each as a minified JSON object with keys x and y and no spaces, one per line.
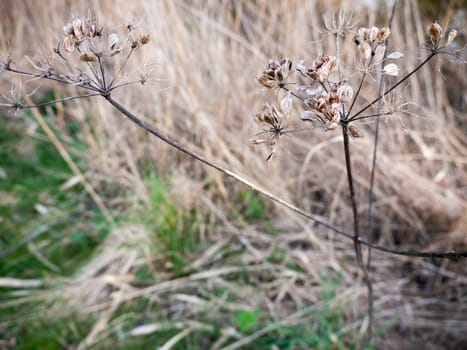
{"x":335,"y":117}
{"x":286,"y":103}
{"x":452,"y":35}
{"x":379,"y":53}
{"x":395,"y":55}
{"x":373,"y":33}
{"x":69,"y":43}
{"x":90,"y":30}
{"x":77,"y":28}
{"x":333,"y":98}
{"x":116,"y":51}
{"x":300,"y":67}
{"x":332,"y":126}
{"x":265,"y":81}
{"x":278,"y":74}
{"x":257,"y":141}
{"x":354,"y":132}
{"x":112,"y":41}
{"x":365,"y":50}
{"x":383,"y":34}
{"x":363,"y":33}
{"x":323,"y":73}
{"x":68,"y":28}
{"x":88,"y":57}
{"x":345,"y":93}
{"x":434,"y":30}
{"x":144,"y":39}
{"x":391,"y":69}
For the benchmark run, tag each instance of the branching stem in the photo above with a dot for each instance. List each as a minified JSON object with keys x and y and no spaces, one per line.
{"x":372,"y":103}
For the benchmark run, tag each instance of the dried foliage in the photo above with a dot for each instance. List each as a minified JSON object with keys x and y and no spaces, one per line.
{"x":205,"y":51}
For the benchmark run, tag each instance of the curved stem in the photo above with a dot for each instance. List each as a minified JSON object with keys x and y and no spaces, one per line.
{"x":181,"y":148}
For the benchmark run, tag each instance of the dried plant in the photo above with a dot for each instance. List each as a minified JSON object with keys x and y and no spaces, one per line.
{"x":89,"y":57}
{"x":323,"y":90}
{"x":94,"y":58}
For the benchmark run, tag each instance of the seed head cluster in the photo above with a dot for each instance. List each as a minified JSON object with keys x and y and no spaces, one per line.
{"x":97,"y":48}
{"x":435,"y":33}
{"x":323,"y":87}
{"x":324,"y":94}
{"x":275,"y":74}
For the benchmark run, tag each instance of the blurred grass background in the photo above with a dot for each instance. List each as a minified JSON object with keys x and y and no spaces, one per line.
{"x":192,"y":259}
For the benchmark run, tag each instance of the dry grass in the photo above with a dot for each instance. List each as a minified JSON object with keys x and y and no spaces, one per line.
{"x":207,"y":55}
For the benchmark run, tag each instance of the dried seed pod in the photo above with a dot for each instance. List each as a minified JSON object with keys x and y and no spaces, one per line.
{"x":332,"y":99}
{"x":116,"y":51}
{"x":278,"y":74}
{"x":365,"y":50}
{"x":395,"y":55}
{"x":90,"y":30}
{"x":379,"y":53}
{"x":113,"y":41}
{"x":452,"y":35}
{"x":345,"y":93}
{"x":144,"y":39}
{"x":301,"y":67}
{"x":69,"y":43}
{"x":336,"y":117}
{"x":286,"y":104}
{"x":78,"y":28}
{"x":354,"y":132}
{"x":383,"y":34}
{"x":68,"y":28}
{"x":373,"y":33}
{"x":88,"y":57}
{"x":391,"y":69}
{"x":266,"y":81}
{"x":332,"y":126}
{"x":258,"y":141}
{"x":362,"y":34}
{"x":434,"y":30}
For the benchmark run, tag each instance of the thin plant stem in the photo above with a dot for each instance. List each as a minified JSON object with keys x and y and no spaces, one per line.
{"x":382,"y":82}
{"x":155,"y":132}
{"x":58,"y":80}
{"x":67,"y":62}
{"x":371,"y":104}
{"x":356,"y":235}
{"x":101,"y":67}
{"x":122,"y":66}
{"x":49,"y":103}
{"x":376,"y":115}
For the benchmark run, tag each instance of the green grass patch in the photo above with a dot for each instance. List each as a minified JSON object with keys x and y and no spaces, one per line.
{"x":45,"y":231}
{"x":32,"y":175}
{"x":175,"y":231}
{"x":251,"y":208}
